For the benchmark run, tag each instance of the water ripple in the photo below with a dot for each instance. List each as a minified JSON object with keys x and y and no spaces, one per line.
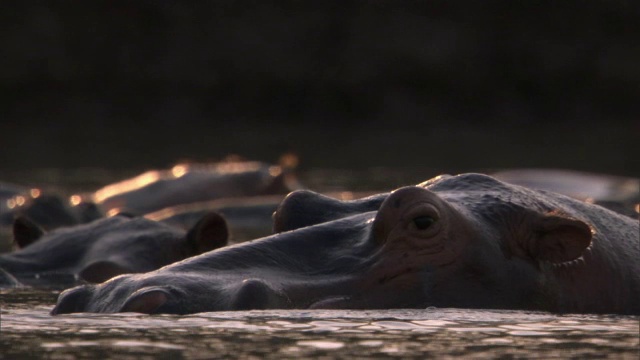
{"x":28,"y":328}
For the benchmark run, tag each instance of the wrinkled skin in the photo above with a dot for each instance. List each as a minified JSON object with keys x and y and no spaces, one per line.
{"x":466,"y":241}
{"x":97,"y":251}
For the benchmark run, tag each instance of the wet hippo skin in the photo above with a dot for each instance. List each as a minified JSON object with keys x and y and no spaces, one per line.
{"x":617,"y":193}
{"x":467,"y":241}
{"x":189,"y":183}
{"x":151,"y":191}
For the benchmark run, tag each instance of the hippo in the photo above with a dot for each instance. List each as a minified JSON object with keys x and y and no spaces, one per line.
{"x":248,"y":217}
{"x":618,"y":193}
{"x":104,"y":248}
{"x":49,"y":211}
{"x":465,"y":241}
{"x":189,"y":183}
{"x":149,"y":192}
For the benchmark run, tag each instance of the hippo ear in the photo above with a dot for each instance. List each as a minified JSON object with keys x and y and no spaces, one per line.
{"x":146,"y":300}
{"x":101,"y":271}
{"x":209,"y":233}
{"x":25,"y":231}
{"x":88,"y":211}
{"x":558,"y":239}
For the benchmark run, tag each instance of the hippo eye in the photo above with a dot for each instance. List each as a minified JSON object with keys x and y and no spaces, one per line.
{"x":423,"y":222}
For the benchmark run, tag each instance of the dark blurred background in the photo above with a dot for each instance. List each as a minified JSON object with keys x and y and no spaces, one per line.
{"x":451,"y":85}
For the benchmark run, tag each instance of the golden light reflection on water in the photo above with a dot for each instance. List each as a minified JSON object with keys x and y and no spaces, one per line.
{"x":289,"y":160}
{"x":30,"y":332}
{"x":275,"y":171}
{"x":20,"y":200}
{"x":113,"y":212}
{"x":638,"y":208}
{"x":75,"y":200}
{"x":161,"y":214}
{"x":321,"y":344}
{"x":126,"y":186}
{"x":11,"y":203}
{"x":235,"y":167}
{"x":179,"y":170}
{"x":346,"y":195}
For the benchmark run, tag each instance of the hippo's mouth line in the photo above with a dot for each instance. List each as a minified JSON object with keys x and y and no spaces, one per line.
{"x":386,"y":278}
{"x":331,"y":302}
{"x":378,"y":287}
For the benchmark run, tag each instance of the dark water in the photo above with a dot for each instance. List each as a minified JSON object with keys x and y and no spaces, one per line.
{"x":28,"y":331}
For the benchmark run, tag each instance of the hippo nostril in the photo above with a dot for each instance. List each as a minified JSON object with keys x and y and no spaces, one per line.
{"x":147,"y":301}
{"x":256,"y":294}
{"x":293,"y":213}
{"x":72,"y":301}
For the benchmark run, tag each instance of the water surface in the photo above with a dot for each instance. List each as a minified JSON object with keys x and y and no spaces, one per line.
{"x":28,"y":331}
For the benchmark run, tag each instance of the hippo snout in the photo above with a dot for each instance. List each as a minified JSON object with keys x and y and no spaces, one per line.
{"x":72,"y":301}
{"x":302,"y":208}
{"x":306,"y":208}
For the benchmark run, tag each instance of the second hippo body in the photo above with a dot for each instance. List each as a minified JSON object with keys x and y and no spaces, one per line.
{"x":104,"y":248}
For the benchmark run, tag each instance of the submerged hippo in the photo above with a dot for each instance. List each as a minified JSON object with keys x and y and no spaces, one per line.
{"x":50,"y":211}
{"x":149,"y":192}
{"x":248,"y":217}
{"x":104,"y":248}
{"x":189,"y":183}
{"x":467,"y":241}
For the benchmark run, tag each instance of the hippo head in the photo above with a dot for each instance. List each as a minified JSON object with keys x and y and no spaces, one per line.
{"x":455,"y":241}
{"x":107,"y":247}
{"x":52,"y":211}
